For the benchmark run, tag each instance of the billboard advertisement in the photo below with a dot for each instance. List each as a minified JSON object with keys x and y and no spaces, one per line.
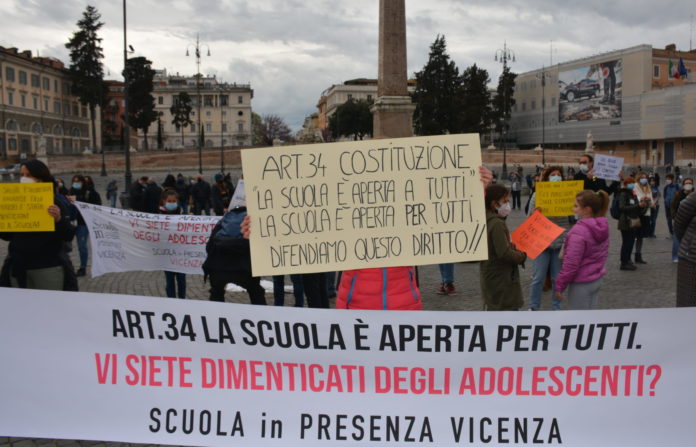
{"x":591,"y":92}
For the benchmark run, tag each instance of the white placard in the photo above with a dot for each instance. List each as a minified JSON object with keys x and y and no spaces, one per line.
{"x":123,"y":240}
{"x":159,"y":371}
{"x":608,"y":167}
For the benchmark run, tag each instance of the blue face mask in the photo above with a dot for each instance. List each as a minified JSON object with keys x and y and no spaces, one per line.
{"x":77,"y":186}
{"x":171,"y":206}
{"x":643,"y":181}
{"x":555,"y":178}
{"x":631,"y":186}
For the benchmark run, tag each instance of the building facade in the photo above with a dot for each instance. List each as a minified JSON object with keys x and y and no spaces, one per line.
{"x":625,"y":100}
{"x":38,"y":112}
{"x":222,"y":109}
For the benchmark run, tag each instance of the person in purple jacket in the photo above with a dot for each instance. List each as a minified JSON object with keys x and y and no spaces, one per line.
{"x":585,"y":252}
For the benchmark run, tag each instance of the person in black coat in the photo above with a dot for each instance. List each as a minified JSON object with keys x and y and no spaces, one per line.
{"x":183,"y":190}
{"x":586,"y":174}
{"x":152,"y":196}
{"x":37,"y":260}
{"x":221,"y":194}
{"x":82,"y":190}
{"x":200,"y":193}
{"x":136,"y":194}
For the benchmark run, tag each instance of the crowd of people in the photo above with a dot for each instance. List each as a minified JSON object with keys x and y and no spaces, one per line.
{"x":573,"y":264}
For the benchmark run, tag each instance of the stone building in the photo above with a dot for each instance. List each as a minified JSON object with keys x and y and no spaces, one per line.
{"x":38,"y":113}
{"x":627,"y":100}
{"x":225,"y":112}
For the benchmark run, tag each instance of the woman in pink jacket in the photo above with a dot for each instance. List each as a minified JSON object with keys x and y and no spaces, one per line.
{"x":585,"y":252}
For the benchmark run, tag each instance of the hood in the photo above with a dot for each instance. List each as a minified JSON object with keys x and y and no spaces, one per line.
{"x":598,"y":227}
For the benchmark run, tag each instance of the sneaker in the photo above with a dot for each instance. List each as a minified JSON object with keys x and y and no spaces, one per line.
{"x":81,"y":271}
{"x":449,"y":287}
{"x":442,"y":290}
{"x":628,"y":266}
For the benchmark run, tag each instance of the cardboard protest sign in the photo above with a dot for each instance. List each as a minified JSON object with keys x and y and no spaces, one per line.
{"x":557,"y":198}
{"x":149,"y":370}
{"x":123,"y":240}
{"x":358,"y":204}
{"x":24,"y":207}
{"x":535,"y":234}
{"x":607,"y":166}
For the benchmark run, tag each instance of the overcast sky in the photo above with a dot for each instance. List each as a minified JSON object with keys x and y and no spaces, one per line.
{"x":292,"y":50}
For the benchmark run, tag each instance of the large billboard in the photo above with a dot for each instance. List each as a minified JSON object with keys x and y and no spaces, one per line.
{"x":591,"y":92}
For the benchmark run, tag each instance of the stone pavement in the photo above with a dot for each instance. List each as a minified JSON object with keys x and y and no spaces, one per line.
{"x":652,"y":285}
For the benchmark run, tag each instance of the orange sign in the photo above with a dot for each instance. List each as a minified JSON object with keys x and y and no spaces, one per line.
{"x":535,"y":234}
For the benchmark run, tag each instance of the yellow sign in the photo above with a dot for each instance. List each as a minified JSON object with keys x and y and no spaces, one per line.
{"x":24,"y":207}
{"x":365,"y":204}
{"x":557,"y":198}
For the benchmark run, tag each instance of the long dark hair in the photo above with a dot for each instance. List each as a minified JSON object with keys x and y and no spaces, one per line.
{"x":38,"y":170}
{"x":495,"y":192}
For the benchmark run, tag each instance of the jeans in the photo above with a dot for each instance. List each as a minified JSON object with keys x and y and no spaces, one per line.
{"x":628,"y":238}
{"x":315,"y":289}
{"x":200,"y":208}
{"x":447,"y":273}
{"x":82,"y":234}
{"x":279,"y":290}
{"x":668,"y":213}
{"x":183,"y":204}
{"x":113,"y":201}
{"x":547,"y":260}
{"x":170,"y":278}
{"x":653,"y":220}
{"x":516,"y":199}
{"x":675,"y":247}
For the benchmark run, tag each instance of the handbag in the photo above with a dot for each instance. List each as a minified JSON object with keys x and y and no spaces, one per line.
{"x":634,"y":222}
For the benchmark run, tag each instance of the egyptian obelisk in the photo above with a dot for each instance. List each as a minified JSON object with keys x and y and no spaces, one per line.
{"x":392,"y":111}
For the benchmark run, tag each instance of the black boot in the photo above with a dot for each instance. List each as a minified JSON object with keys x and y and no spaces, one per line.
{"x":627,"y":266}
{"x":639,"y":259}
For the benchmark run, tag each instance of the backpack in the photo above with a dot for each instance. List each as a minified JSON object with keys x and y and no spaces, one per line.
{"x":614,"y":209}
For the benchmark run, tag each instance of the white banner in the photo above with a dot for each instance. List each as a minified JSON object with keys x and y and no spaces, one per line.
{"x":159,"y":371}
{"x":123,"y":240}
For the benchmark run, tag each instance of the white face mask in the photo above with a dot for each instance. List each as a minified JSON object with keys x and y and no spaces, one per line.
{"x":688,"y":187}
{"x":504,"y":209}
{"x":668,"y":182}
{"x":26,"y":180}
{"x":584,"y":168}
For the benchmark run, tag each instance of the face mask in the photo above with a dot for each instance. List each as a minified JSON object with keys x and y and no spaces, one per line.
{"x":77,"y":186}
{"x":668,"y":182}
{"x":688,"y":187}
{"x":555,"y":178}
{"x":504,"y":210}
{"x":26,"y":180}
{"x":631,"y":186}
{"x":583,"y":167}
{"x":577,"y":217}
{"x":643,"y":181}
{"x":60,"y":185}
{"x":171,"y":206}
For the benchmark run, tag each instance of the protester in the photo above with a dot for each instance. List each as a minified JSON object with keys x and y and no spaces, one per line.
{"x":112,"y":193}
{"x":500,"y":277}
{"x":279,"y":290}
{"x":220,"y":195}
{"x":586,"y":174}
{"x":668,"y":194}
{"x":136,"y":194}
{"x":631,"y":209}
{"x":183,"y":191}
{"x":82,"y":191}
{"x":229,"y":258}
{"x":174,"y":281}
{"x":548,"y":262}
{"x":685,"y":231}
{"x":200,"y":193}
{"x":447,"y":278}
{"x":152,"y":196}
{"x":169,"y":183}
{"x":643,"y":193}
{"x":61,"y":189}
{"x":687,"y":189}
{"x":585,"y":252}
{"x":37,"y":260}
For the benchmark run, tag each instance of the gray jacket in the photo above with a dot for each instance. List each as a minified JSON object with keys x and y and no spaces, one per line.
{"x":685,"y":228}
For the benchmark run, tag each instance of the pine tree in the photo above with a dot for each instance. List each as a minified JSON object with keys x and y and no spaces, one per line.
{"x":181,"y":112}
{"x":141,"y":104}
{"x":504,"y":101}
{"x":86,"y":69}
{"x":477,"y":113}
{"x":352,"y":119}
{"x":438,"y":94}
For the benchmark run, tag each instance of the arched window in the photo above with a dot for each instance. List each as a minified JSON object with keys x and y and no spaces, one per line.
{"x":75,"y":132}
{"x":12,"y":125}
{"x":58,"y":129}
{"x":36,"y":128}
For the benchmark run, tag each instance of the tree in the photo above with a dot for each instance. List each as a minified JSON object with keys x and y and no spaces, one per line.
{"x":477,"y":113}
{"x":141,"y":104}
{"x":160,"y":137}
{"x":353,"y":119}
{"x":86,"y":69}
{"x":181,"y":112}
{"x":438,"y":94}
{"x":504,"y":100}
{"x":256,"y":129}
{"x":269,"y":127}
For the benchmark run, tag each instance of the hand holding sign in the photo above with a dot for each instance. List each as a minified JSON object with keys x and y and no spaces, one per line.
{"x":535,"y":234}
{"x":27,"y":207}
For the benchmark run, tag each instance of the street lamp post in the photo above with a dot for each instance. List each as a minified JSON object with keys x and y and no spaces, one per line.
{"x":126,"y":127}
{"x":504,"y":56}
{"x":197,"y":48}
{"x":543,"y":76}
